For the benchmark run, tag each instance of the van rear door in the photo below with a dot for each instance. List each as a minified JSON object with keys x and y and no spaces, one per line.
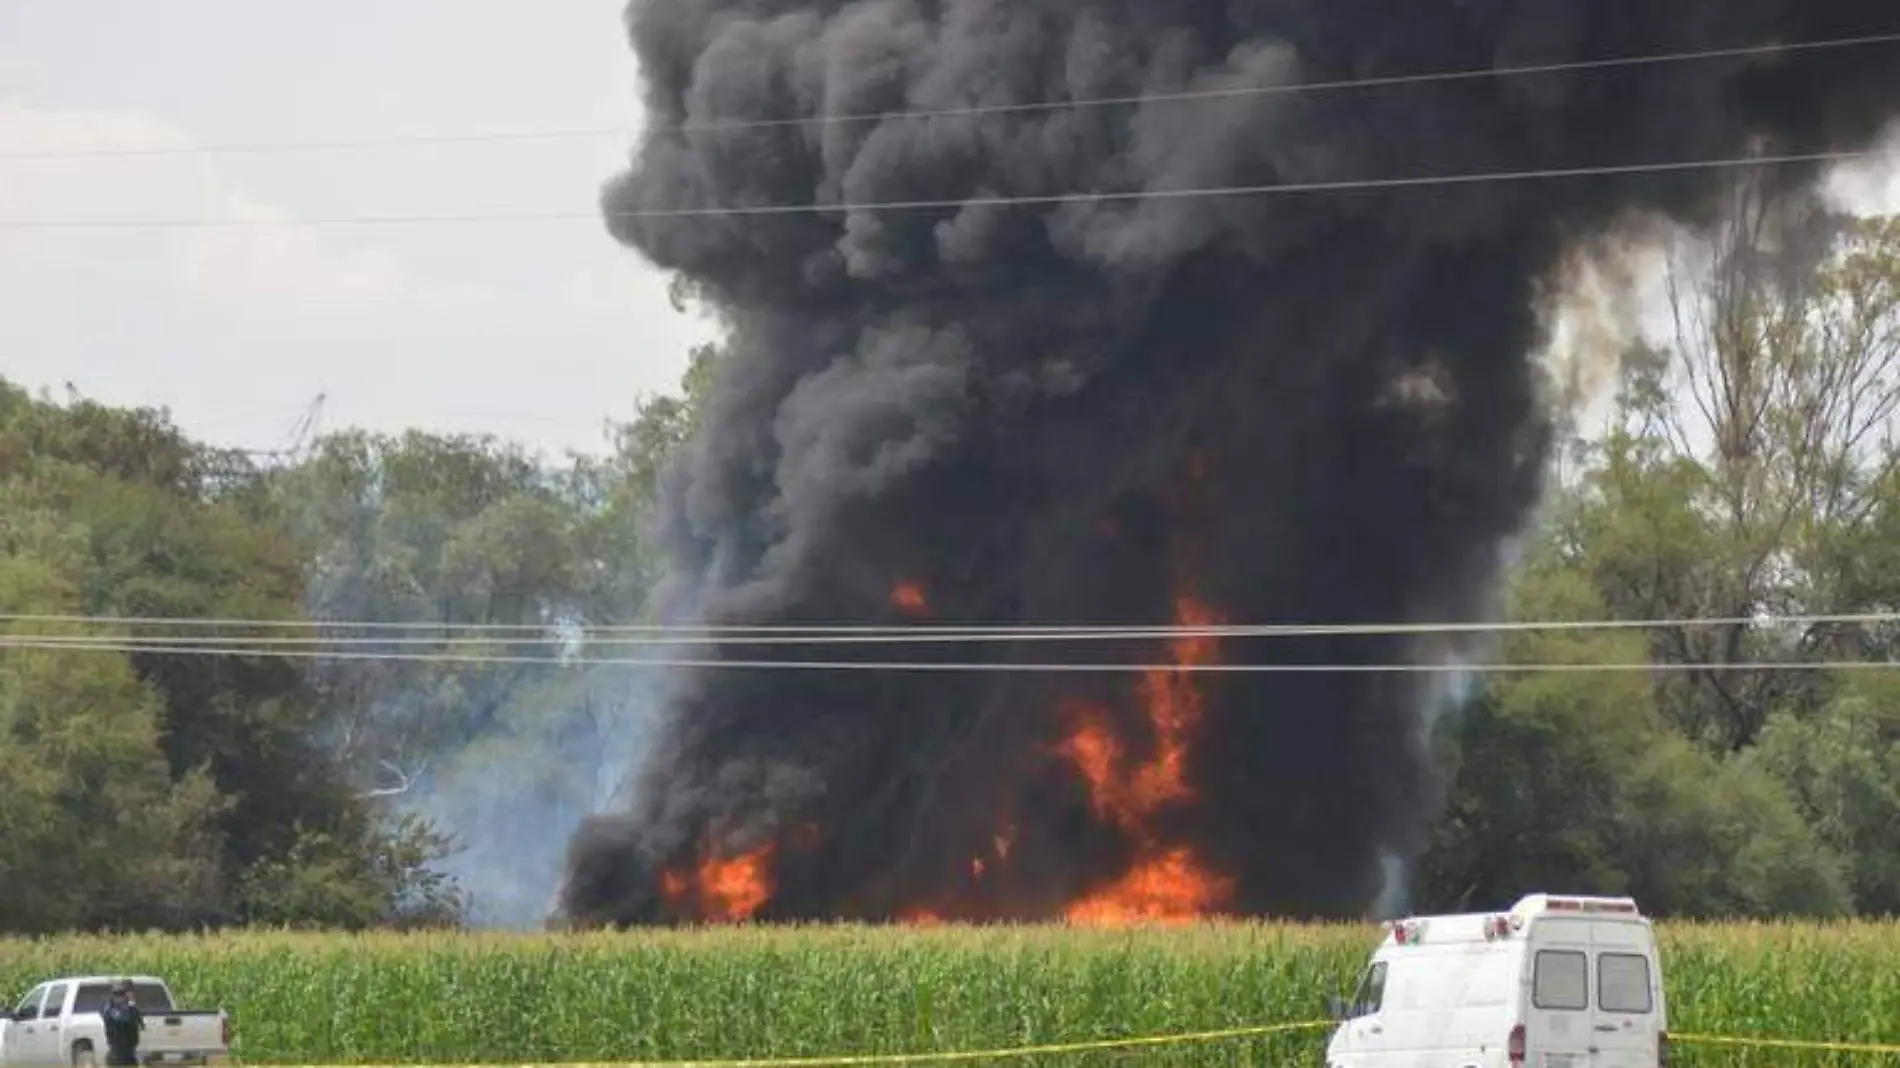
{"x":1628,"y":998}
{"x":1558,"y":1023}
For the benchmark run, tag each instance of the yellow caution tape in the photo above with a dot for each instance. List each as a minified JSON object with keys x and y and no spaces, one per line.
{"x":1020,"y":1052}
{"x":1783,"y":1043}
{"x":904,"y":1058}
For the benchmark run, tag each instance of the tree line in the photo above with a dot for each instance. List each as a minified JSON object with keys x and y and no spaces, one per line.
{"x":1746,"y":467}
{"x":144,"y":789}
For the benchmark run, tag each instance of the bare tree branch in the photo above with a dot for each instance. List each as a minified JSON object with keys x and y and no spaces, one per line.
{"x":405,"y":780}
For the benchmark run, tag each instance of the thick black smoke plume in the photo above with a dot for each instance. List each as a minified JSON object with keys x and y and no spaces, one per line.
{"x":1310,"y":407}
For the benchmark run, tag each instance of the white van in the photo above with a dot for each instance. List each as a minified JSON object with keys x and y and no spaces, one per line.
{"x":1556,"y":982}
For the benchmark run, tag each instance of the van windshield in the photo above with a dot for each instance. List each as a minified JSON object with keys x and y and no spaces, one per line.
{"x":1370,"y":995}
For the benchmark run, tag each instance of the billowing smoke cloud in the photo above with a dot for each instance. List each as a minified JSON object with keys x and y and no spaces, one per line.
{"x":1317,"y":407}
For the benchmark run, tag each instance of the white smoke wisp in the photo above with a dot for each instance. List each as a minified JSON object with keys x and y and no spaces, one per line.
{"x":513,"y":797}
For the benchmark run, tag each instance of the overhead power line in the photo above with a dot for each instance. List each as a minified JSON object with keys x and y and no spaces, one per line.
{"x":1395,"y":667}
{"x":1194,"y":193}
{"x":659,"y":634}
{"x":977,"y":110}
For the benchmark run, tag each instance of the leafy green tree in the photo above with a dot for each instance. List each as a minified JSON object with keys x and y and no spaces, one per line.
{"x":1575,"y":780}
{"x":150,"y":785}
{"x":1843,"y":766}
{"x":1750,"y":467}
{"x":94,"y":830}
{"x":1747,"y":469}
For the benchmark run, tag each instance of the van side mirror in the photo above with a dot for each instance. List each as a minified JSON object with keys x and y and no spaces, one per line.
{"x":1336,"y":1006}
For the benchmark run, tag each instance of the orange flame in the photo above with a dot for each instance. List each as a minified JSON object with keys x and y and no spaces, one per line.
{"x":1168,"y":888}
{"x":1096,"y":752}
{"x":1172,"y":702}
{"x":908,"y":597}
{"x":727,"y":890}
{"x":737,"y":887}
{"x":1164,"y":883}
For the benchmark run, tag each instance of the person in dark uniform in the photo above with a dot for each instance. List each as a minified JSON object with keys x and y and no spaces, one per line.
{"x":123,"y":1024}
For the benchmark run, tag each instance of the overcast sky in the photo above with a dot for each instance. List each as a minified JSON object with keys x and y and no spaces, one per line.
{"x":531,"y":330}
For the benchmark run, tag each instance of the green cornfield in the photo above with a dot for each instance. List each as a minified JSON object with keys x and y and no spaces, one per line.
{"x":802,"y":992}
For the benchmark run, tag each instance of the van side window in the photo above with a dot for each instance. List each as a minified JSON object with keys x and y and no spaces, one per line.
{"x":1561,"y":980}
{"x":1370,"y":996}
{"x":1623,"y":983}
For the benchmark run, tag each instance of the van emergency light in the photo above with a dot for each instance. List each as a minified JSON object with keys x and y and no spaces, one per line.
{"x":1572,"y":904}
{"x":1412,"y":932}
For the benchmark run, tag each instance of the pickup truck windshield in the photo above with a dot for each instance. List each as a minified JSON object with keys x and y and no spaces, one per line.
{"x":92,"y":997}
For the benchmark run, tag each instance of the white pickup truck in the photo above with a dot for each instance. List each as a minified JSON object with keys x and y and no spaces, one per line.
{"x":58,"y":1025}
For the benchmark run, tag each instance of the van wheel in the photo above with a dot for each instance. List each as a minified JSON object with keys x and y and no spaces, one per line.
{"x":84,"y":1057}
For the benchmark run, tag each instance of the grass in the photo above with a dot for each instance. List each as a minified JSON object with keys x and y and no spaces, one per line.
{"x":786,"y":992}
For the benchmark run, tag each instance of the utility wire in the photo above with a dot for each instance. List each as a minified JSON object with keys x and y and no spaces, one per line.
{"x":952,"y":666}
{"x":975,"y":110}
{"x":795,"y":633}
{"x":1008,"y":200}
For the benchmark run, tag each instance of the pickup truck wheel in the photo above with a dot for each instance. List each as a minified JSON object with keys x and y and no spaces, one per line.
{"x":84,"y":1057}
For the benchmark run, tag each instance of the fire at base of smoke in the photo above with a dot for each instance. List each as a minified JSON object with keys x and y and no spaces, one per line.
{"x":1267,"y":408}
